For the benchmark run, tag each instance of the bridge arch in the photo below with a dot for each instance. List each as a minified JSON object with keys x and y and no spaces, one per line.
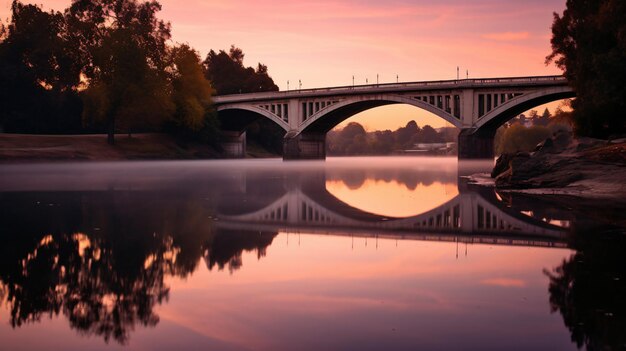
{"x":244,"y":114}
{"x":326,"y":119}
{"x":505,"y":112}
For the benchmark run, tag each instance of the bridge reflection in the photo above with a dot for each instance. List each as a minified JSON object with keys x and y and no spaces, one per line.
{"x":475,"y":215}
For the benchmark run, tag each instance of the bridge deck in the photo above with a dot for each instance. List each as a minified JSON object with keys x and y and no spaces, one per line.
{"x":394,"y":87}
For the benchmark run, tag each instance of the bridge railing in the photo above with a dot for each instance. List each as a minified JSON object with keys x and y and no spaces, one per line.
{"x":390,"y":86}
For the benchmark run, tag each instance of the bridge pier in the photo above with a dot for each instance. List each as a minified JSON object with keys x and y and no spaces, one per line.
{"x":475,"y":144}
{"x":233,"y":144}
{"x":304,"y":146}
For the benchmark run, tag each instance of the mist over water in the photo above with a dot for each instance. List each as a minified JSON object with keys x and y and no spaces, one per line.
{"x":352,"y":253}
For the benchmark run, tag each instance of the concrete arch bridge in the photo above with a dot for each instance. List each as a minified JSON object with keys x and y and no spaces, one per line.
{"x":476,"y":106}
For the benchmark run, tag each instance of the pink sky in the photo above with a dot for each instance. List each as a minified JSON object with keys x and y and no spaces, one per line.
{"x":326,"y":42}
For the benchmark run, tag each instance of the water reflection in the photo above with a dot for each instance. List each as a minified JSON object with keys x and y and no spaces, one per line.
{"x":100,"y":259}
{"x":393,"y":192}
{"x":101,"y":244}
{"x":588,"y":290}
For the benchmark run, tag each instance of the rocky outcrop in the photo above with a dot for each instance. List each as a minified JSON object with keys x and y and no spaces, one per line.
{"x":562,"y":161}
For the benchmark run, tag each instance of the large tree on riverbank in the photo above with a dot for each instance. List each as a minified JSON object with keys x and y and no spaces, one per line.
{"x":38,"y":73}
{"x":589,"y":44}
{"x":122,"y":49}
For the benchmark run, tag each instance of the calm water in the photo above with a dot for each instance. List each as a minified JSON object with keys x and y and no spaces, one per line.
{"x":350,"y":254}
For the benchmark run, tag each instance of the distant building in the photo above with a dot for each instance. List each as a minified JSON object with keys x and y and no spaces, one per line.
{"x":431,"y":148}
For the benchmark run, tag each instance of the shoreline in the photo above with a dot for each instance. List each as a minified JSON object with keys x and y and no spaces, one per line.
{"x":563,"y":166}
{"x":34,"y":148}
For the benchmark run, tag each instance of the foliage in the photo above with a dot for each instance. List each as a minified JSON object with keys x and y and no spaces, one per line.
{"x":106,"y":282}
{"x":589,"y":44}
{"x":520,"y":138}
{"x":588,"y":289}
{"x":38,"y":73}
{"x":355,"y":140}
{"x":194,"y":117}
{"x":122,"y":51}
{"x":516,"y":136}
{"x":229,"y":76}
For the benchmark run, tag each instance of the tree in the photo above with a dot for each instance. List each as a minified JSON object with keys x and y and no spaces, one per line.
{"x":519,"y":138}
{"x":38,"y":72}
{"x":229,"y":76}
{"x":589,"y":44}
{"x":404,"y":135}
{"x":191,"y":95}
{"x":428,"y":134}
{"x":544,"y":119}
{"x":122,"y":50}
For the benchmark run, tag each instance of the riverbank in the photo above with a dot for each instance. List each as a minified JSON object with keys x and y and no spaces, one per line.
{"x":561,"y":165}
{"x":149,"y":146}
{"x":32,"y":148}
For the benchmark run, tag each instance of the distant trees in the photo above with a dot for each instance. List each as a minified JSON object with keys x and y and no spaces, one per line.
{"x":588,"y":43}
{"x":229,"y":76}
{"x":353,"y":139}
{"x":518,"y":136}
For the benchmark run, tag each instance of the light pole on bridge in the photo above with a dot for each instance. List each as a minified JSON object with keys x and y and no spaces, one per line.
{"x":287,"y":85}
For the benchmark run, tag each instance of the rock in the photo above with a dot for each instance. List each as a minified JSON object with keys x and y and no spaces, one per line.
{"x":562,"y":139}
{"x":516,"y":170}
{"x":618,"y":141}
{"x":503,"y":180}
{"x":558,"y":179}
{"x":502,"y":164}
{"x":546,"y":146}
{"x":585,"y":143}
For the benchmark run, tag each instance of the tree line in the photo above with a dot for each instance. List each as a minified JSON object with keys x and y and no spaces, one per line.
{"x":110,"y":65}
{"x":353,"y":139}
{"x":523,"y":133}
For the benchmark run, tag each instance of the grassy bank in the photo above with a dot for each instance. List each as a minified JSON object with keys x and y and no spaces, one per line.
{"x":25,"y":148}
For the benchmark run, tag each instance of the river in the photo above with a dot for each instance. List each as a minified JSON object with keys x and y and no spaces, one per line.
{"x":395,"y":253}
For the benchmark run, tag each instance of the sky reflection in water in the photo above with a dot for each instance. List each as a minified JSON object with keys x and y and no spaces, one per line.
{"x":187,"y":255}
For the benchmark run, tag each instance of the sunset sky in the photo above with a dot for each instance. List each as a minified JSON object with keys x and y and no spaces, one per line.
{"x":325,"y":42}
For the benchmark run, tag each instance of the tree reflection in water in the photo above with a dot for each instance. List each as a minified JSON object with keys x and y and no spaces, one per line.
{"x":589,"y":290}
{"x":101,"y":259}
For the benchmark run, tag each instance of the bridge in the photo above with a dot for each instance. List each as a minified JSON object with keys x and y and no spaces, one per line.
{"x":475,"y":217}
{"x":476,"y":106}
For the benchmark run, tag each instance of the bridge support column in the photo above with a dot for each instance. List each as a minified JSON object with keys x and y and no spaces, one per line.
{"x":304,"y":146}
{"x":475,"y":144}
{"x":233,"y":144}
